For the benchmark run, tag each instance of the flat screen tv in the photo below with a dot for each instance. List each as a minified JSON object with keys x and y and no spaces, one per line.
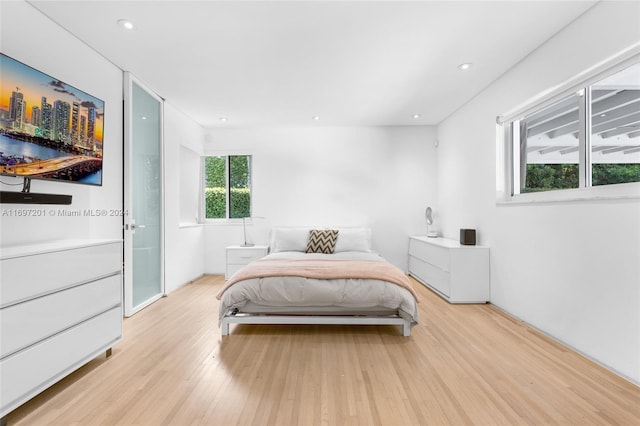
{"x":48,"y":128}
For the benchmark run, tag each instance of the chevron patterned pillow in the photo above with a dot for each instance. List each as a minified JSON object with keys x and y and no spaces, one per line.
{"x":322,"y":241}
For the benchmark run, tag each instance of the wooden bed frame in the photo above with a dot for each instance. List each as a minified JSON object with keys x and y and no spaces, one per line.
{"x":235,"y":317}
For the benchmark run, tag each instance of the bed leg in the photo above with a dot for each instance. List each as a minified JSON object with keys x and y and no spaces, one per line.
{"x":225,"y":328}
{"x":406,"y":329}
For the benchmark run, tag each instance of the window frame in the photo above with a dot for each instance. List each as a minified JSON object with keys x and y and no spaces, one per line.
{"x":203,"y":204}
{"x":508,"y":171}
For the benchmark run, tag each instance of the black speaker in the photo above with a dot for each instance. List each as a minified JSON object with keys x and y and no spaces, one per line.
{"x":14,"y":197}
{"x":468,"y":237}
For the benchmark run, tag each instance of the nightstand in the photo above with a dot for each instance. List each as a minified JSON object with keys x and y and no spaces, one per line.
{"x":238,"y":256}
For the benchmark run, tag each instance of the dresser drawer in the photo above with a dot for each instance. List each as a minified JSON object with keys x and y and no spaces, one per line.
{"x":430,"y":275}
{"x":435,"y":255}
{"x":244,"y":255}
{"x":26,"y":323}
{"x":458,"y":273}
{"x":47,"y":272}
{"x":39,"y":366}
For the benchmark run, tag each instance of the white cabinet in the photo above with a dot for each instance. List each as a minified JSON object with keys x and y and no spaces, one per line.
{"x":60,"y":307}
{"x":238,"y":256}
{"x":459,"y":273}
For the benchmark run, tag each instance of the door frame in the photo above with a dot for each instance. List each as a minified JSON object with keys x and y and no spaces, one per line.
{"x":128,"y":225}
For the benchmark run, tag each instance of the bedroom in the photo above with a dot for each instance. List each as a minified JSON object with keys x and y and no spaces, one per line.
{"x":587,"y":298}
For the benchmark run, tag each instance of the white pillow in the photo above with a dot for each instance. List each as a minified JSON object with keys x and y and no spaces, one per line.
{"x":295,"y":239}
{"x":353,"y":239}
{"x":289,"y":239}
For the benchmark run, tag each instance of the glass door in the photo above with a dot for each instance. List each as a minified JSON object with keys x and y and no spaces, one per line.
{"x":143,"y":192}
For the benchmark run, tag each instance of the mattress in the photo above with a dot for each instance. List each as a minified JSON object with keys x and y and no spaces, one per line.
{"x":311,"y":296}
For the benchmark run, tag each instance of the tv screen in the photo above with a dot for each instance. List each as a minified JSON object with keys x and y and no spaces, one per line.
{"x":48,"y":128}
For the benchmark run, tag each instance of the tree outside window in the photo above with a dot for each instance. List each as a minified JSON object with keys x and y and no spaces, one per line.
{"x":588,"y":138}
{"x":227,"y":187}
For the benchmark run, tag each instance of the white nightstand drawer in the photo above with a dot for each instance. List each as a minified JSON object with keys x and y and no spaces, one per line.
{"x":244,"y":255}
{"x":238,"y":256}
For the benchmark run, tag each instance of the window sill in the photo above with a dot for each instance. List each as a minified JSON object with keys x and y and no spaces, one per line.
{"x":225,"y":222}
{"x":620,"y":192}
{"x":189,"y":225}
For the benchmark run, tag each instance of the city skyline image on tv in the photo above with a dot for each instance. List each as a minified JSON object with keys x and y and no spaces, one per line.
{"x":48,"y":128}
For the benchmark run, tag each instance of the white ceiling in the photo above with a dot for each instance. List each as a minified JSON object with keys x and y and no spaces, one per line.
{"x":268,"y":63}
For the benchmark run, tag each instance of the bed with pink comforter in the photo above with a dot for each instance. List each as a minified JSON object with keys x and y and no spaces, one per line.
{"x":293,"y":287}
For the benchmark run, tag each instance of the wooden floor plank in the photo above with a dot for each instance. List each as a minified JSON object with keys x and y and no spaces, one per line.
{"x":463,"y":364}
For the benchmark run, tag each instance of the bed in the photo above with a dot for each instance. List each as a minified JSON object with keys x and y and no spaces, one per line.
{"x":319,"y":276}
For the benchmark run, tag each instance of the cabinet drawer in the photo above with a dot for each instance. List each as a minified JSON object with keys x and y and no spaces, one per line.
{"x":30,"y":371}
{"x":437,"y":256}
{"x":47,"y":272}
{"x":244,"y":256}
{"x":26,"y":323}
{"x":430,"y":275}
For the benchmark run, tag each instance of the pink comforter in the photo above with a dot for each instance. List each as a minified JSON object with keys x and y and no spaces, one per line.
{"x":322,"y":269}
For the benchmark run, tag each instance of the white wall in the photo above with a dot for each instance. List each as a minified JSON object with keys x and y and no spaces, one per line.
{"x":184,"y":240}
{"x":24,"y":31}
{"x":190,"y":162}
{"x":382,"y":177}
{"x":570,"y":269}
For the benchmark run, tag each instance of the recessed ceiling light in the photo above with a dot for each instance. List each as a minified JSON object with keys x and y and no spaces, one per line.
{"x":464,"y":66}
{"x":223,"y":119}
{"x":126,"y":24}
{"x":316,"y":117}
{"x":143,"y":117}
{"x":416,"y":115}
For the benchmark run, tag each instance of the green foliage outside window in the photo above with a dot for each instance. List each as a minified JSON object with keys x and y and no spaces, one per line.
{"x":239,"y":171}
{"x":607,"y":174}
{"x":216,"y":206}
{"x":548,"y":177}
{"x":215,"y":176}
{"x":215,"y":202}
{"x":216,"y":187}
{"x":240,"y":205}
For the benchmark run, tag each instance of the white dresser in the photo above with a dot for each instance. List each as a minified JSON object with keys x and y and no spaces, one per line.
{"x":458,"y":273}
{"x":60,"y":307}
{"x":238,"y":256}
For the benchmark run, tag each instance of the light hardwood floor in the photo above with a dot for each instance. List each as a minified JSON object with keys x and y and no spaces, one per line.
{"x":463,"y":364}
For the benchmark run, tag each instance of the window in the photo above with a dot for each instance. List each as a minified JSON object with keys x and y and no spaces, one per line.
{"x":546,"y":148}
{"x":615,"y":128}
{"x":590,"y":137}
{"x":227,"y":187}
